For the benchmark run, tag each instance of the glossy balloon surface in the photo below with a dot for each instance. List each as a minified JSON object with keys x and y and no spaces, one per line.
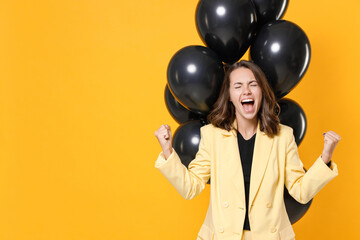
{"x":282,"y":51}
{"x":195,"y":75}
{"x":270,"y":10}
{"x":178,"y":111}
{"x":186,"y":141}
{"x":226,"y":26}
{"x":292,"y":115}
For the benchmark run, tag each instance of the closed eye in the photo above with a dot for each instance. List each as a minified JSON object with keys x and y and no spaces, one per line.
{"x":253,"y":83}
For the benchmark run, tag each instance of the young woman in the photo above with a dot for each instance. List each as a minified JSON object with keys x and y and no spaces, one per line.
{"x":250,"y":157}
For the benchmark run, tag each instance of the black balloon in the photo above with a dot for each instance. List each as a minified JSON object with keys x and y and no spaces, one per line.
{"x":292,"y":115}
{"x":186,"y":141}
{"x":178,"y":111}
{"x":294,"y":209}
{"x":195,"y":75}
{"x":269,"y":10}
{"x":282,"y":51}
{"x":226,"y":26}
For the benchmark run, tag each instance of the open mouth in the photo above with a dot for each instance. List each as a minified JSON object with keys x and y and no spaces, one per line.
{"x":248,"y":105}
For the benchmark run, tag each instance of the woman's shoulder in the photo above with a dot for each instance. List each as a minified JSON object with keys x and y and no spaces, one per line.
{"x":285,"y":130}
{"x":208,"y":128}
{"x":211,"y":129}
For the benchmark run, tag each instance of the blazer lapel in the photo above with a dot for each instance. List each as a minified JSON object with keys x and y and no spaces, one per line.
{"x":262,"y":149}
{"x":234,"y":167}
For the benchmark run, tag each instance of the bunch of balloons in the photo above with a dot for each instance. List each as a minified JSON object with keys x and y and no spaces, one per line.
{"x":228,"y":28}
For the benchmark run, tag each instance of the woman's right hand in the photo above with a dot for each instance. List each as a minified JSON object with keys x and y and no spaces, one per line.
{"x":163,"y":135}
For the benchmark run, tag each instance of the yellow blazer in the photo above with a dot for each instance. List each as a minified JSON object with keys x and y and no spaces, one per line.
{"x":276,"y":164}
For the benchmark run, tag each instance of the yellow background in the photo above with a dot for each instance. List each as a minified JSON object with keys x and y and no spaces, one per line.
{"x":81,"y":94}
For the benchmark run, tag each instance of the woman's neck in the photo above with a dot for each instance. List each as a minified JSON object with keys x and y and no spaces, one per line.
{"x":247,"y":128}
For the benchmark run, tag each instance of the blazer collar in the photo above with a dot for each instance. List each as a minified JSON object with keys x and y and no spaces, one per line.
{"x":233,"y":132}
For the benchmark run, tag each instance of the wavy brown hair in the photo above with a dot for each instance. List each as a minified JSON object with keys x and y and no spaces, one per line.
{"x":223,"y":114}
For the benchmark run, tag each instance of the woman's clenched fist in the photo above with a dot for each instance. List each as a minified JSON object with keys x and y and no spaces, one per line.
{"x":163,"y":135}
{"x":331,"y":139}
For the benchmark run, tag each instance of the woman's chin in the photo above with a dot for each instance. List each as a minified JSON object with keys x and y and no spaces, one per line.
{"x":249,"y":116}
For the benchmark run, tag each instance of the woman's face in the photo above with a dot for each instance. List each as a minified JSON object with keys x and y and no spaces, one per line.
{"x":245,"y":93}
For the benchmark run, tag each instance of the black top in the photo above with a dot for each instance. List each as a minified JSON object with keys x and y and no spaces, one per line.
{"x":246,"y":149}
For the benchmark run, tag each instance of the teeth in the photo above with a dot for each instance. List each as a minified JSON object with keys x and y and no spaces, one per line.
{"x":247,"y":100}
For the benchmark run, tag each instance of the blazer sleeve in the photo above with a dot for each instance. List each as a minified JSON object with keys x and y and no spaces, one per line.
{"x":188,"y":182}
{"x":304,"y":186}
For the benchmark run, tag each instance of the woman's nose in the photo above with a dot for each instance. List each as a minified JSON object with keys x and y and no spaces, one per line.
{"x":246,"y":90}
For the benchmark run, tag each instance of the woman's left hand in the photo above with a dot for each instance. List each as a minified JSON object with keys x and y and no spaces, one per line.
{"x":331,"y":139}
